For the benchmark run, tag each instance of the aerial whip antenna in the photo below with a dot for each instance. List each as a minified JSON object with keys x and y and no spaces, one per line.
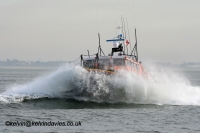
{"x":123,"y":31}
{"x":97,"y":17}
{"x":134,"y":14}
{"x":135,"y":51}
{"x":125,"y":36}
{"x":99,"y":48}
{"x":128,"y":34}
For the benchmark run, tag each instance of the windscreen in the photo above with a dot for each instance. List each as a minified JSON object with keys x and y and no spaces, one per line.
{"x":88,"y":63}
{"x":104,"y":62}
{"x":118,"y":62}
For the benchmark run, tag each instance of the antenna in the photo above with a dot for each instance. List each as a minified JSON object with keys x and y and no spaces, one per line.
{"x":97,"y":16}
{"x":135,"y":47}
{"x":134,"y":14}
{"x":128,"y":34}
{"x":122,"y":31}
{"x":99,"y":48}
{"x":125,"y":35}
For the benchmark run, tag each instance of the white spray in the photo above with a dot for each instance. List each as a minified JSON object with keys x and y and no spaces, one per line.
{"x":75,"y":82}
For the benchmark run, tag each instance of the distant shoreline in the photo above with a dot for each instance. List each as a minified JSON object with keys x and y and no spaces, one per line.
{"x":17,"y":63}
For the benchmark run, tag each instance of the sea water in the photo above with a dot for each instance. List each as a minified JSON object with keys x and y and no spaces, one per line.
{"x":168,"y":101}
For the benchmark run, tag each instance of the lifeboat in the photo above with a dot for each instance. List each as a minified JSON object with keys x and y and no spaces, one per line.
{"x":117,"y":60}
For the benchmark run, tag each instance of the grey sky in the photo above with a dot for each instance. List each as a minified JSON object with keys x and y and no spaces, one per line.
{"x":168,"y":31}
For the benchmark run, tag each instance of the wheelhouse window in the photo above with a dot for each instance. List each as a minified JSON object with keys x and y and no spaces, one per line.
{"x":88,"y":63}
{"x":118,"y":62}
{"x":104,"y":62}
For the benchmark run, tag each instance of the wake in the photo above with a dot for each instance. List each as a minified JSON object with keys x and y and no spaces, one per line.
{"x":74,"y":82}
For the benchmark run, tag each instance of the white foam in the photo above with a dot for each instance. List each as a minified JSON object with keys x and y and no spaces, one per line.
{"x":52,"y":85}
{"x":74,"y":82}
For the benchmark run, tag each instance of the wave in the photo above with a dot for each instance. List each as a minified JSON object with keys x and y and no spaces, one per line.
{"x":74,"y":82}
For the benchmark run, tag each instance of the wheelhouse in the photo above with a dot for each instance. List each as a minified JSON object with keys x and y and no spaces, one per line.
{"x":113,"y":63}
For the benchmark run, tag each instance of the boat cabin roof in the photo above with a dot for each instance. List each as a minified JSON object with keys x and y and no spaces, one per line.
{"x":106,"y":57}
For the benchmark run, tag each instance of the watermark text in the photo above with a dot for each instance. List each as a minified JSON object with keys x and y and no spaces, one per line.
{"x":42,"y":123}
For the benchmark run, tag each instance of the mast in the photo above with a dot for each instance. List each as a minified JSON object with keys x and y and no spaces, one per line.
{"x":136,"y":46}
{"x":99,"y":48}
{"x":135,"y":51}
{"x":99,"y":45}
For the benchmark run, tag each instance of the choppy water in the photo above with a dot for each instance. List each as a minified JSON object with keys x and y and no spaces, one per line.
{"x":167,"y":102}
